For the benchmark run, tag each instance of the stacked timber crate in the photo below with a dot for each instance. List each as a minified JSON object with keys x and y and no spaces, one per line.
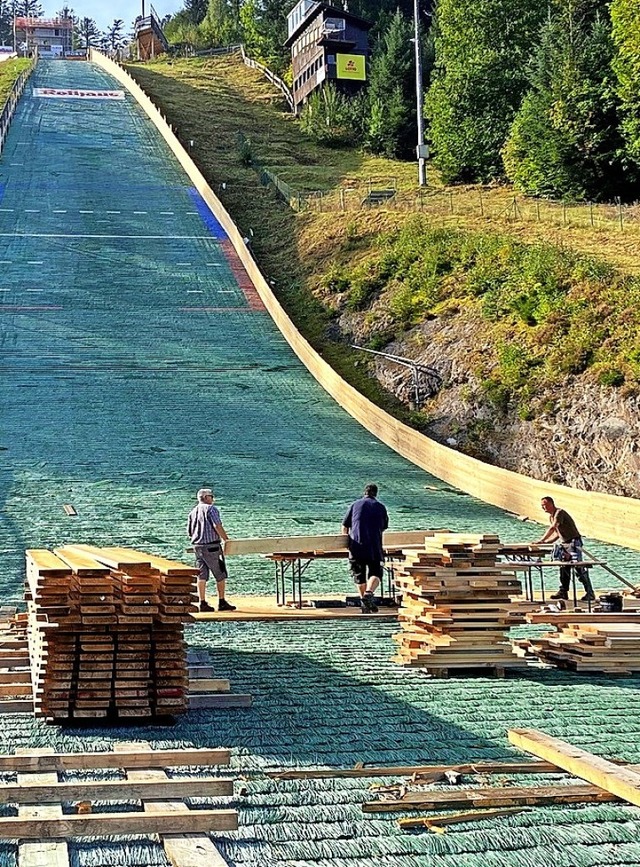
{"x":457,"y":605}
{"x":106,"y":633}
{"x":606,"y":647}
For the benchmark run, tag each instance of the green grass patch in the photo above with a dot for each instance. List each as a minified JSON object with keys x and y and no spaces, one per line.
{"x":9,"y":71}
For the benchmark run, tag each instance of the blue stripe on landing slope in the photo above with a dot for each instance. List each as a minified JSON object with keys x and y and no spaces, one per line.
{"x":208,"y":219}
{"x":3,"y":187}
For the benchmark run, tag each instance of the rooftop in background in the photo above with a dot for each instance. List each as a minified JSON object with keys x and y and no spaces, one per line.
{"x":307,"y":10}
{"x":60,"y":23}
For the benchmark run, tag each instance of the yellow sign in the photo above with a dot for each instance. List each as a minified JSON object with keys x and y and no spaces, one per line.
{"x":351,"y":66}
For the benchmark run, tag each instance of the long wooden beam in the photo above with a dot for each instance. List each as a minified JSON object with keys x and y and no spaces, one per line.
{"x":511,"y":796}
{"x":417,"y":770}
{"x":623,"y":782}
{"x":309,"y":544}
{"x":43,"y":761}
{"x":120,"y":824}
{"x":112,"y":790}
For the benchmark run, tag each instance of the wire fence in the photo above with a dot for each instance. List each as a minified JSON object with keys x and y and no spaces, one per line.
{"x":478,"y":203}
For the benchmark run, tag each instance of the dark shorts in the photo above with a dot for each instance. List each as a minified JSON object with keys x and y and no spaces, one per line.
{"x":362,"y":570}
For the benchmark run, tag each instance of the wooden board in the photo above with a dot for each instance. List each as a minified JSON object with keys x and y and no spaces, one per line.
{"x":113,"y":790}
{"x":263,"y":608}
{"x":120,"y":824}
{"x":509,"y":796}
{"x":194,"y":850}
{"x":79,"y":562}
{"x":41,"y":853}
{"x":622,"y":782}
{"x":309,"y":544}
{"x":45,"y":760}
{"x":417,"y":770}
{"x":220,"y":700}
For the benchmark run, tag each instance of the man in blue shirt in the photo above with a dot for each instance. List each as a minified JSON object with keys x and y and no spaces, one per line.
{"x":365,"y":523}
{"x":207,"y":534}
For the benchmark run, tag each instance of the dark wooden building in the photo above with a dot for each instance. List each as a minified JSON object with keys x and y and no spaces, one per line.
{"x":327,"y":44}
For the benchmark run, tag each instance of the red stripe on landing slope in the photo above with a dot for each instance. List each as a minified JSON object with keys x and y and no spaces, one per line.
{"x":242,"y":278}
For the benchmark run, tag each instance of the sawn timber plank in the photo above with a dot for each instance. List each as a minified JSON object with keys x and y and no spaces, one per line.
{"x":623,"y":782}
{"x":192,"y":850}
{"x":42,"y":853}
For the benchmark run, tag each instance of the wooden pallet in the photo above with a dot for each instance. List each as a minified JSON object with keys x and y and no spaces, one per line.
{"x":183,"y":832}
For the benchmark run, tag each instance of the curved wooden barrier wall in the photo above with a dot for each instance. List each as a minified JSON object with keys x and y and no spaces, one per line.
{"x":602,"y":516}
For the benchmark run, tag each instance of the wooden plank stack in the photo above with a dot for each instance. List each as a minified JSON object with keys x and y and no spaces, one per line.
{"x":457,"y":605}
{"x":106,"y":633}
{"x":612,"y":648}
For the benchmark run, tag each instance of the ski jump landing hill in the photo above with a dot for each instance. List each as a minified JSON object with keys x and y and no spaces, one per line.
{"x":606,"y":517}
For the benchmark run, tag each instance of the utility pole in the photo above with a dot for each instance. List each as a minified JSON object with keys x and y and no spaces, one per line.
{"x":422,"y":149}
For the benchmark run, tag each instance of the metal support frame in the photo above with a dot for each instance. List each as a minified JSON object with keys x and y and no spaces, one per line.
{"x":295,"y":567}
{"x":539,"y":565}
{"x":425,"y":379}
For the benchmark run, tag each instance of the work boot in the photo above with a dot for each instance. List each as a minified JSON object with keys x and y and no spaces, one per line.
{"x":369,"y":604}
{"x":589,"y":595}
{"x":204,"y":606}
{"x":561,"y":594}
{"x":223,"y":605}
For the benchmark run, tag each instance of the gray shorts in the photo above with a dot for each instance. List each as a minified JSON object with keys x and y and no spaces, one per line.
{"x":210,"y":559}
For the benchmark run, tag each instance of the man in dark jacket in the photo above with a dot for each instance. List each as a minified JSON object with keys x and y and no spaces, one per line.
{"x":365,"y":523}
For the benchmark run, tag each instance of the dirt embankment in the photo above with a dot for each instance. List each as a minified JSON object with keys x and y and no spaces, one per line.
{"x":582,"y":434}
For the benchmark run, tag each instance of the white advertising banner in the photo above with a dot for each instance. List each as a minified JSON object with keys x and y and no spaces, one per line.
{"x":58,"y":93}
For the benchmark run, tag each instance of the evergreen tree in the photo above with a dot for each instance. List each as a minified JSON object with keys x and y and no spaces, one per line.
{"x":88,"y":34}
{"x":66,"y":12}
{"x":482,"y":52}
{"x":565,"y":140}
{"x":391,"y":129}
{"x":625,"y":15}
{"x":29,"y":9}
{"x":196,"y":10}
{"x":115,"y":35}
{"x":6,"y":22}
{"x":219,"y":26}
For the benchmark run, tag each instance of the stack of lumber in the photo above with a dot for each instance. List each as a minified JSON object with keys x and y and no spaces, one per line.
{"x":106,"y":633}
{"x":594,"y":646}
{"x":456,"y":605}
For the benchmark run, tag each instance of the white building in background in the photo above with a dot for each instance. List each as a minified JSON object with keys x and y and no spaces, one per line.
{"x":51,"y":36}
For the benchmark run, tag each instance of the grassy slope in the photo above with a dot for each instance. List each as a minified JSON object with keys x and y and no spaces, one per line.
{"x":9,"y":71}
{"x":212,"y":100}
